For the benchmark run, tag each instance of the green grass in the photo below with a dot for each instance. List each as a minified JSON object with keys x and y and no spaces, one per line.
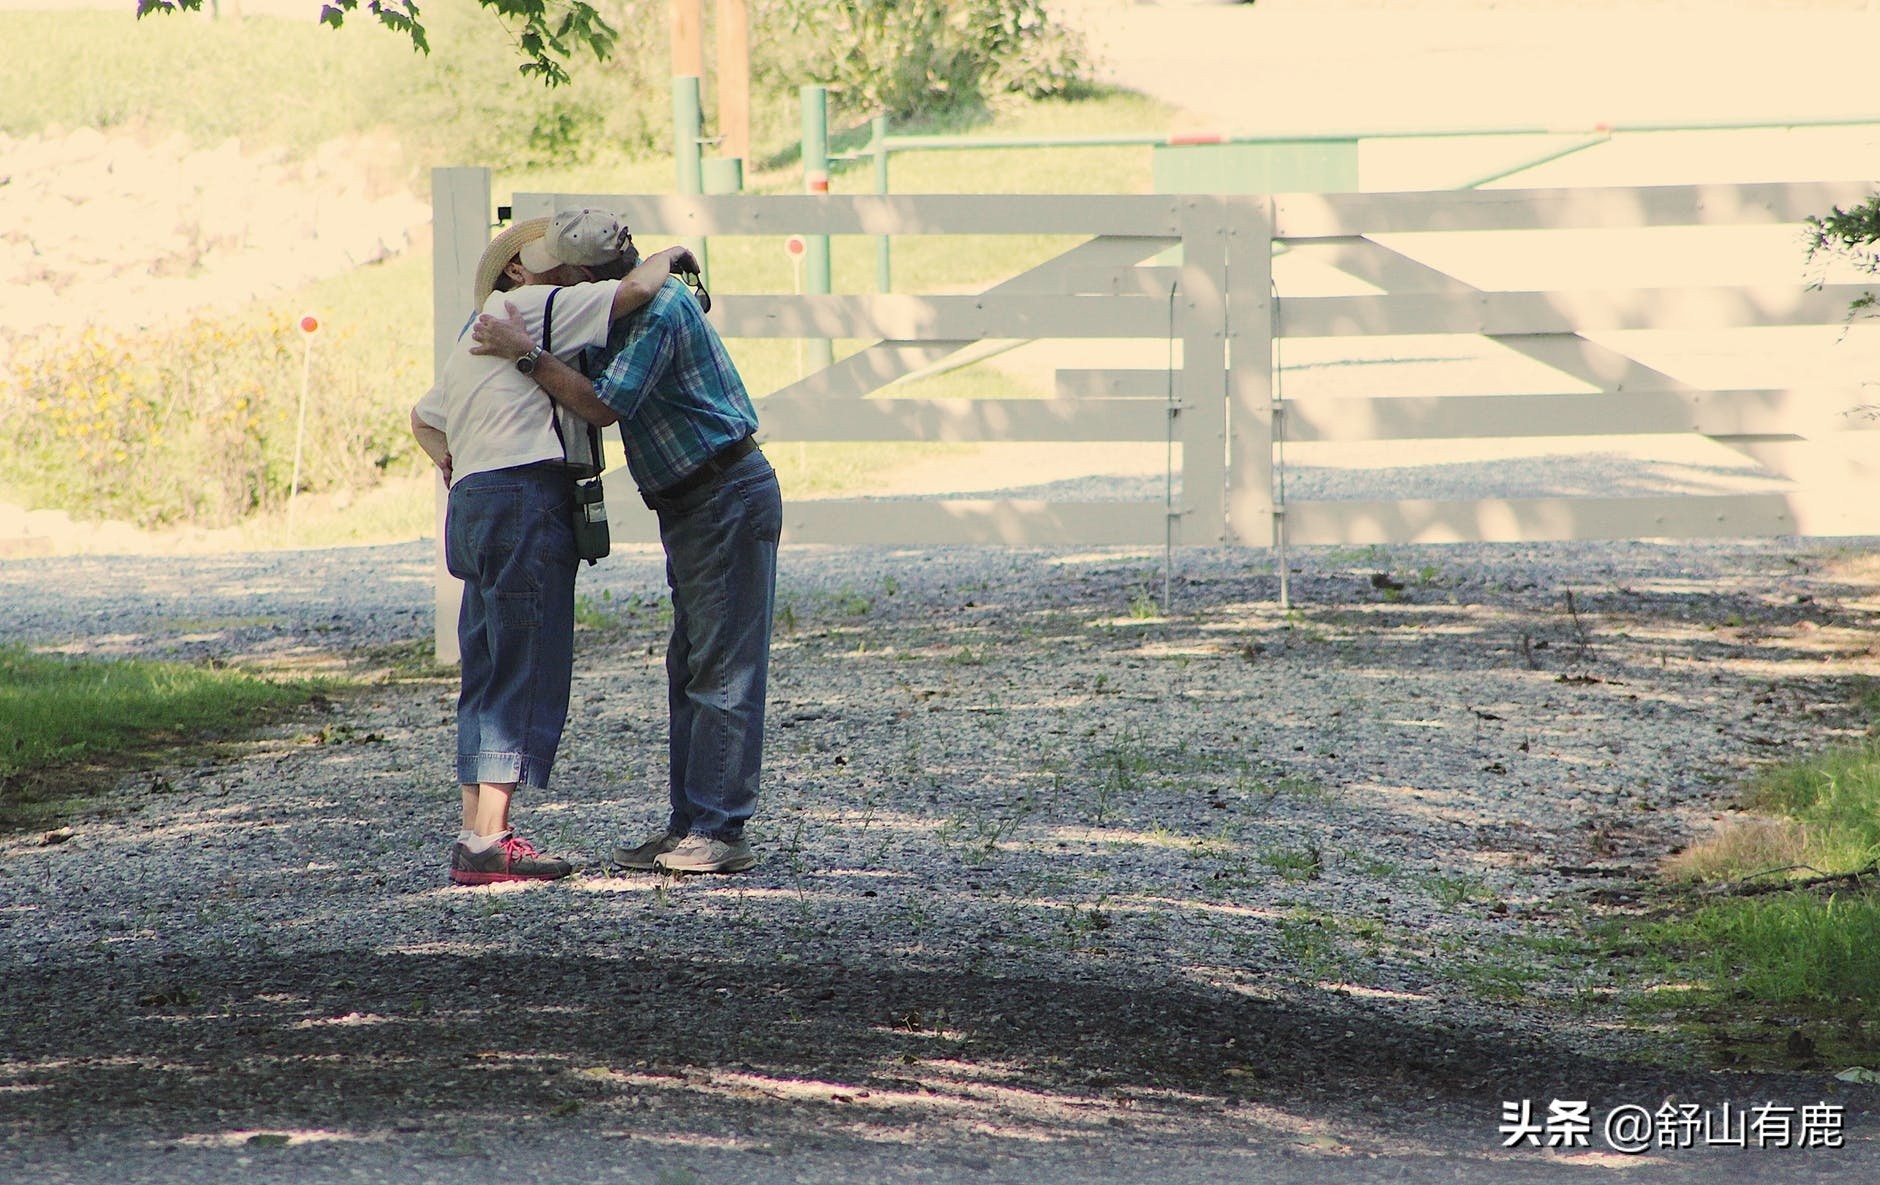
{"x":58,"y":714}
{"x":1808,"y":958}
{"x":1836,"y":797}
{"x":1789,"y":949}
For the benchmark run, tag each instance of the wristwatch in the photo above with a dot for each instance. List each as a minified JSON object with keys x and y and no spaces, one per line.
{"x":526,"y":363}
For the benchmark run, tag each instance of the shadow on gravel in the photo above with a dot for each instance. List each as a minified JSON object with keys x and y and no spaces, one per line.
{"x":822,"y":1056}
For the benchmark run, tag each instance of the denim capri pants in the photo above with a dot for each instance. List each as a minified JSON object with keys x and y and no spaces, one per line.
{"x":509,"y":537}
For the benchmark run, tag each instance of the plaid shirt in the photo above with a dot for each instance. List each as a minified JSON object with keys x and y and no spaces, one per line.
{"x":678,"y":395}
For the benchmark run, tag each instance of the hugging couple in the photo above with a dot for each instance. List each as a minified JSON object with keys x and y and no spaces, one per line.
{"x":570,"y":315}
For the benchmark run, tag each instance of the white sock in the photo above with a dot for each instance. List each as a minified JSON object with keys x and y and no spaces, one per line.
{"x":483,"y":843}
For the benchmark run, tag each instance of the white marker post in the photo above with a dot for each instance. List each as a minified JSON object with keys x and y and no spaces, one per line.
{"x":796,"y":247}
{"x":309,"y":326}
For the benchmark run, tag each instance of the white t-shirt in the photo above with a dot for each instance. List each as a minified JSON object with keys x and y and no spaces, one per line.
{"x":492,"y":415}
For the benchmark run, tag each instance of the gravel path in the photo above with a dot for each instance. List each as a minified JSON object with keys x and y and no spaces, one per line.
{"x":1054,"y":887}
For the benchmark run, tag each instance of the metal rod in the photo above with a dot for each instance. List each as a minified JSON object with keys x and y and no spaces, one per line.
{"x":1276,"y":433}
{"x":968,"y":143}
{"x":1536,"y":162}
{"x":878,"y":140}
{"x":688,"y":126}
{"x":816,"y":181}
{"x":1168,"y":475}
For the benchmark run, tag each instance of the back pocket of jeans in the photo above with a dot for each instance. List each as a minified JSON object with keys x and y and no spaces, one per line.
{"x":763,"y":507}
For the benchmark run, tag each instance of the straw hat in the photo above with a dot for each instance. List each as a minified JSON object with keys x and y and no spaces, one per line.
{"x":503,"y":248}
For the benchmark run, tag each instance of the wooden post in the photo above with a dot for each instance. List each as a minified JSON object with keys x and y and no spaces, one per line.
{"x":734,"y":78}
{"x":460,"y":230}
{"x":1200,"y":322}
{"x":1255,"y":417}
{"x":688,"y":38}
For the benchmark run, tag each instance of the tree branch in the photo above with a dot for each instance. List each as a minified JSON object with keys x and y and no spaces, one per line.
{"x":547,"y":32}
{"x":1753,"y":885}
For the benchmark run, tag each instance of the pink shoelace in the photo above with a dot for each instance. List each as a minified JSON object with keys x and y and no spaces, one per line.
{"x":518,"y":848}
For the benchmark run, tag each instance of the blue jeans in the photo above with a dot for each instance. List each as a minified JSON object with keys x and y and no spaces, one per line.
{"x":509,"y":537}
{"x":721,"y":564}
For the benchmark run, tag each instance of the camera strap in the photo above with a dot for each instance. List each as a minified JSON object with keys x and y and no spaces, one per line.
{"x":599,"y":458}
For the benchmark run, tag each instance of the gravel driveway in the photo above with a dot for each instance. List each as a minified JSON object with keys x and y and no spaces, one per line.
{"x":1054,"y":887}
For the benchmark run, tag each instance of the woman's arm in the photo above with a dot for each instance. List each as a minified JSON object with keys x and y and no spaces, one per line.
{"x":434,"y":443}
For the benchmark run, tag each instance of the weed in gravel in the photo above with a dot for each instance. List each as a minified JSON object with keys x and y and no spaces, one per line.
{"x":846,"y":602}
{"x":1502,"y":976}
{"x":605,"y":612}
{"x":413,"y":660}
{"x":592,"y":613}
{"x":1125,"y":768}
{"x":1083,"y":925}
{"x":1451,"y":891}
{"x":1369,"y":866}
{"x":871,"y":803}
{"x":1296,"y":864}
{"x":1371,"y":555}
{"x":1309,"y":941}
{"x":1263,"y":795}
{"x":978,"y":835}
{"x":1230,"y":877}
{"x":915,"y":913}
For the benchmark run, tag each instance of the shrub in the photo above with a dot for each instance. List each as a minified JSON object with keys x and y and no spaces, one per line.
{"x":906,"y":57}
{"x":1851,"y":235}
{"x":196,"y":424}
{"x":466,"y":103}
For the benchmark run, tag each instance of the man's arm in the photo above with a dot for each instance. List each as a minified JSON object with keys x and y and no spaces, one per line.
{"x":570,"y":388}
{"x":645,"y":281}
{"x":509,"y":338}
{"x":434,"y":443}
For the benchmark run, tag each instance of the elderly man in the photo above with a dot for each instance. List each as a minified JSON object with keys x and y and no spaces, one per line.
{"x":509,"y":532}
{"x":688,"y":426}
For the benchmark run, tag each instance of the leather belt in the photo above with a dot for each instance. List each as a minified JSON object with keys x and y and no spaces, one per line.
{"x":714,"y":465}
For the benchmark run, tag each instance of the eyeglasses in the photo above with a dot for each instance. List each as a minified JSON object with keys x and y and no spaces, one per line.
{"x":698,"y":290}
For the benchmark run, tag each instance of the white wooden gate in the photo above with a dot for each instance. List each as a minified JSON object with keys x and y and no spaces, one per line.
{"x":1225,"y":404}
{"x":1803,"y":429}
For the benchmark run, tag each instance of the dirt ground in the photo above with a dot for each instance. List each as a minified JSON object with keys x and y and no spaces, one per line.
{"x":1056,"y":887}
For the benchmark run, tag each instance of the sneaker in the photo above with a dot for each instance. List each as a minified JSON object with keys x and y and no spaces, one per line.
{"x":701,"y":853}
{"x":512,"y":858}
{"x":642,"y":858}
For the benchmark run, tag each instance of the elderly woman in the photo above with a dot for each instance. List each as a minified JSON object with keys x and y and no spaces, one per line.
{"x":509,"y":533}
